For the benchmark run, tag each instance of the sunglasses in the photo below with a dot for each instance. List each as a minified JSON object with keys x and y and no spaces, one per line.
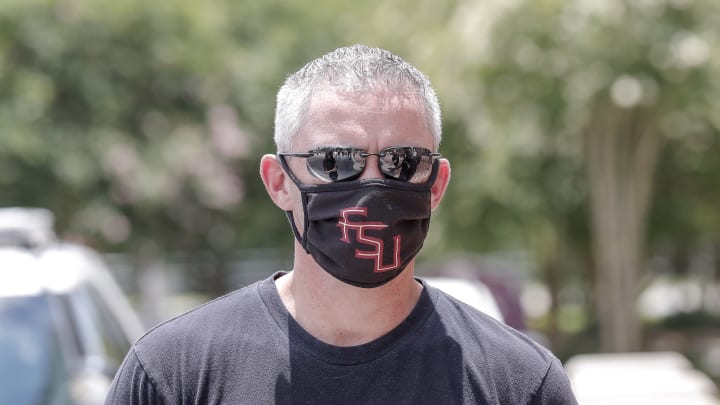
{"x":404,"y":163}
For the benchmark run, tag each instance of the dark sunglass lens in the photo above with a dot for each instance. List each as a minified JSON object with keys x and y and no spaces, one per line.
{"x":407,"y":164}
{"x":336,"y":164}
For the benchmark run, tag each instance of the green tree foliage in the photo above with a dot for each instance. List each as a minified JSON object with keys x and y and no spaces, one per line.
{"x":594,"y":90}
{"x":107,"y":116}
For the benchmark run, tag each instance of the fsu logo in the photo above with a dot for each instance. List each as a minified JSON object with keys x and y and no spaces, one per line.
{"x":346,"y":224}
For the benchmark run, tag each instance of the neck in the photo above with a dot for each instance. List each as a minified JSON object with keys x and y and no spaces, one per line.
{"x":341,"y":314}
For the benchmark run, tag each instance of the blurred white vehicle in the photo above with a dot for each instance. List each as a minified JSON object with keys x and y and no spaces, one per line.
{"x":471,"y":292}
{"x":65,"y":326}
{"x":652,"y":378}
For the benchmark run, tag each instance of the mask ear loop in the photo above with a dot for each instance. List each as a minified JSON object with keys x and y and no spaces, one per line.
{"x":300,"y":238}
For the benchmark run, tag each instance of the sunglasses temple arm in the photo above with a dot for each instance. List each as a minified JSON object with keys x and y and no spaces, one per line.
{"x":284,"y":165}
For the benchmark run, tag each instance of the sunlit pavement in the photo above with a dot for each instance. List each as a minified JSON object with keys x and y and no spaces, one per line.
{"x":657,"y":378}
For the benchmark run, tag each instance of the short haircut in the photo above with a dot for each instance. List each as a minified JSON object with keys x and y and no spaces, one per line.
{"x":355,"y":68}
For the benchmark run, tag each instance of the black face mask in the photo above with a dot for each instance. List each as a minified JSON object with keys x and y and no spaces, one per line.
{"x":364,"y":232}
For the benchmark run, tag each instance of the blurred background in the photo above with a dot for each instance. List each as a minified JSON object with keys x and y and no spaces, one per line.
{"x":583,"y":135}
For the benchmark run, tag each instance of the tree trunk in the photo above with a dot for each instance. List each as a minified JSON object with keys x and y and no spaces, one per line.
{"x":621,"y":154}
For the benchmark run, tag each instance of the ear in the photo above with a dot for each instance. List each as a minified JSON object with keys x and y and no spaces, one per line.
{"x":274,"y":178}
{"x":441,"y":182}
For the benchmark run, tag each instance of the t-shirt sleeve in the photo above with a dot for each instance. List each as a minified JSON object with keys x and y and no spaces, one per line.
{"x":555,"y":388}
{"x":132,"y":385}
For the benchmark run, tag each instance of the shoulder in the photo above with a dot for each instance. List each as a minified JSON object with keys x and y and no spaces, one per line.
{"x":208,"y":319}
{"x":203,"y":333}
{"x":495,"y":352}
{"x":132,"y":385}
{"x":474,"y":328}
{"x":194,"y":355}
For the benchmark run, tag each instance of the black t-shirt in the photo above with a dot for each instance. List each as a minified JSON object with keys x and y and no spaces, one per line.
{"x":245,"y":348}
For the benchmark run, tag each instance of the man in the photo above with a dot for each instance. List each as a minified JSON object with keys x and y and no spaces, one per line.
{"x":349,"y":324}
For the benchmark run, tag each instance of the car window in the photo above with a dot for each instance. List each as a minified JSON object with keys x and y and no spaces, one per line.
{"x":32,"y":366}
{"x":115,"y":341}
{"x":101,"y":333}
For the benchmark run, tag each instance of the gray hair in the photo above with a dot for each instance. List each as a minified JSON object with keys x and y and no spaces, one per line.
{"x":355,"y":68}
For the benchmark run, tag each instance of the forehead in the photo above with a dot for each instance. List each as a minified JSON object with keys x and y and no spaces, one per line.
{"x":369,"y":120}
